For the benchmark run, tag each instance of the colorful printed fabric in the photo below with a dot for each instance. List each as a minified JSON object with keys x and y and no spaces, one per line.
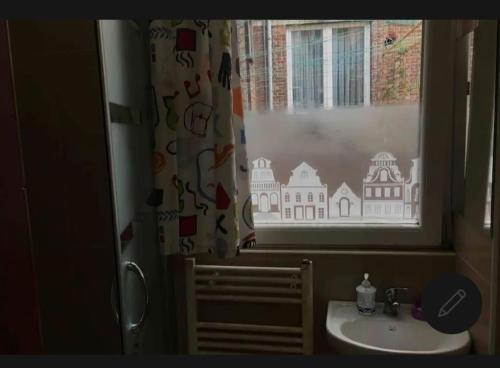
{"x":201,"y":170}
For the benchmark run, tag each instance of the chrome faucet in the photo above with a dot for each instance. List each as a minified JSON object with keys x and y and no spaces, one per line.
{"x":391,"y":304}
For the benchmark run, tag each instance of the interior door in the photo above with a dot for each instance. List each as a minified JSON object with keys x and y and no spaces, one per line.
{"x":125,"y":65}
{"x":62,"y":133}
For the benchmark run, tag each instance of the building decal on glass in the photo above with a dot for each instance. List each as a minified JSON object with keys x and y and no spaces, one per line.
{"x":383,"y":188}
{"x":266,"y":192}
{"x":412,"y":191}
{"x":344,"y":203}
{"x":386,"y":195}
{"x":304,"y":197}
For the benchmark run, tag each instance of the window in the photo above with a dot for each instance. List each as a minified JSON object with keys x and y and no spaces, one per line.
{"x":329,"y":64}
{"x":248,"y":39}
{"x":307,"y":68}
{"x":309,"y":197}
{"x":348,"y":54}
{"x":477,"y":48}
{"x":255,"y":202}
{"x":321,"y":213}
{"x":274,"y":199}
{"x":363,"y":116}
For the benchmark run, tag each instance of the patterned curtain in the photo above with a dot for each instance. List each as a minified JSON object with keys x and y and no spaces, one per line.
{"x":201,"y":174}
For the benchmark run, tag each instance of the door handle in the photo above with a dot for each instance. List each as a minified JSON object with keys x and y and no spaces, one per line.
{"x":133,"y":267}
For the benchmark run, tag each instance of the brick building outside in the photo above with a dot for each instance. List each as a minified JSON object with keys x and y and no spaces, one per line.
{"x":370,"y":62}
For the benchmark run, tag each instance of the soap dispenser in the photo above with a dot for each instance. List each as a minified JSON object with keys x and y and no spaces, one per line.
{"x":366,"y":296}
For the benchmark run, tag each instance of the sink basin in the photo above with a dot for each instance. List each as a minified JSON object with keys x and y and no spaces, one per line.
{"x":352,"y":333}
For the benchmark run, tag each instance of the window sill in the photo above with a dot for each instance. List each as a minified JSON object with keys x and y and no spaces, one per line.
{"x":435,"y":252}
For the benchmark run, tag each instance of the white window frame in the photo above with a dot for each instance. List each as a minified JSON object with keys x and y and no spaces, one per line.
{"x":326,"y":29}
{"x":435,"y":135}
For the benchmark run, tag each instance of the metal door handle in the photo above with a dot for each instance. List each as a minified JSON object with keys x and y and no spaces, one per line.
{"x":132,"y":266}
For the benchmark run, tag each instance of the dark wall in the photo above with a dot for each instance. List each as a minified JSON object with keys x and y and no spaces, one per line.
{"x":19,"y":332}
{"x":63,"y":135}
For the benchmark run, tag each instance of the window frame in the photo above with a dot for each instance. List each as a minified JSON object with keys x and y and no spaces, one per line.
{"x":326,"y":29}
{"x":436,"y":120}
{"x":470,"y":188}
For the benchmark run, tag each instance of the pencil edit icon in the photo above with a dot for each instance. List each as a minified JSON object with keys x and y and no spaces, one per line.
{"x":452,"y":303}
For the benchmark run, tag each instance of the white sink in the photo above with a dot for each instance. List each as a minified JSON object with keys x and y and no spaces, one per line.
{"x":352,"y":333}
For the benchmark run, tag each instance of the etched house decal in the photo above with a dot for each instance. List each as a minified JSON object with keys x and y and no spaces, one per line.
{"x":386,"y":195}
{"x":304,"y":197}
{"x":383,"y":188}
{"x":344,"y":203}
{"x":266,"y":192}
{"x":412,"y":190}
